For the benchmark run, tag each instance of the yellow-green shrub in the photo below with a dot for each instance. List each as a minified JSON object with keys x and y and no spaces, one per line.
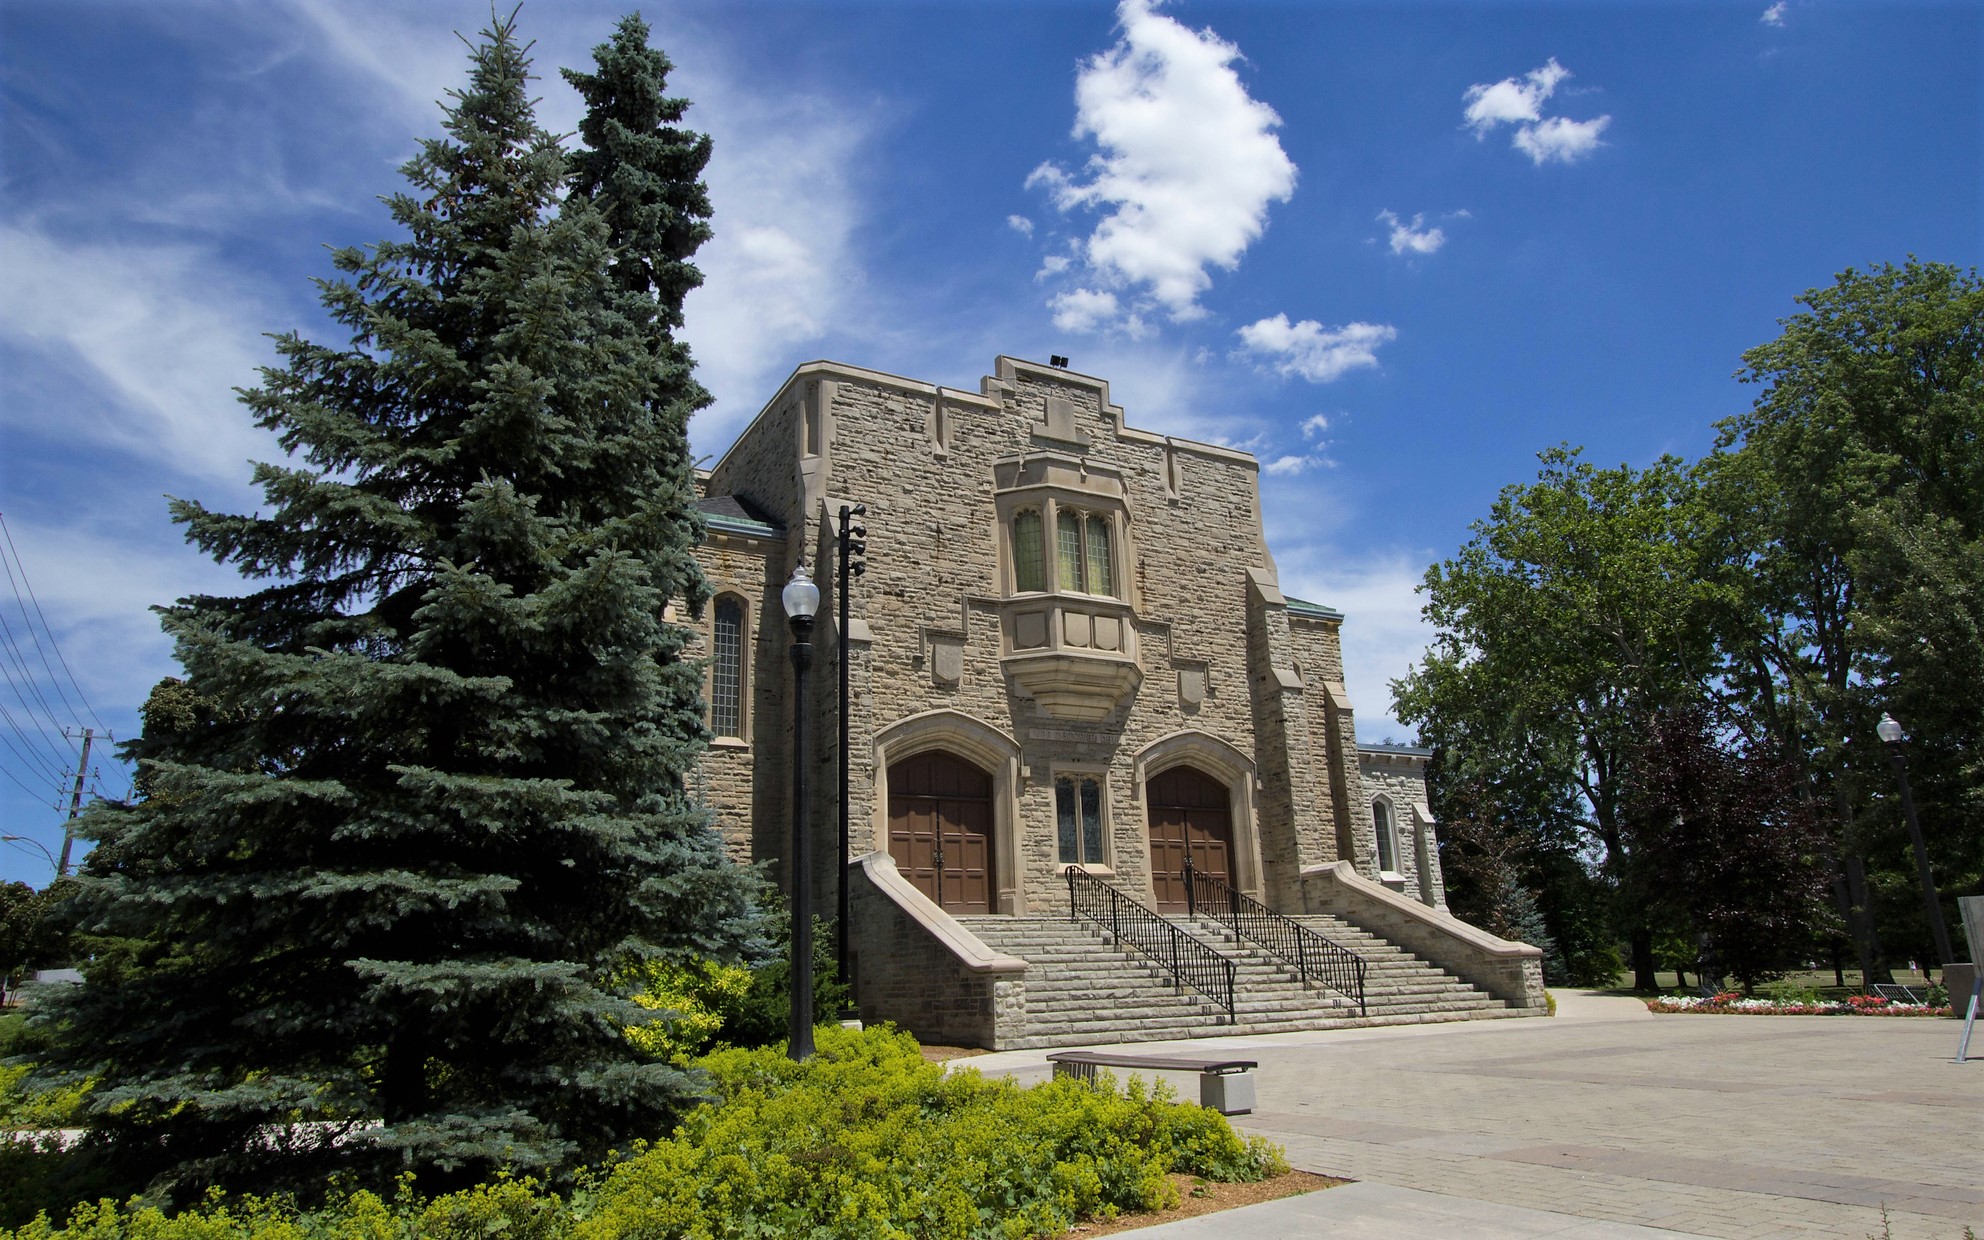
{"x":865,"y":1141}
{"x":695,"y":995}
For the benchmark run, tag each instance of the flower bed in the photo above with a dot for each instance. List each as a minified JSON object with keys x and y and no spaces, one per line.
{"x":1732,"y":1003}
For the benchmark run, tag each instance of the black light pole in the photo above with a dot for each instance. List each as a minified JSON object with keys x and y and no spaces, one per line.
{"x":801,"y":598}
{"x":853,"y":546}
{"x":1890,"y":733}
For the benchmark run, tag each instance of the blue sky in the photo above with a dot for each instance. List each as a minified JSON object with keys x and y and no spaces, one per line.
{"x":1394,"y":249}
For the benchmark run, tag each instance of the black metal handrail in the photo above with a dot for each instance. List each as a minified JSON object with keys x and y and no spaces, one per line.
{"x":1318,"y":959}
{"x":1133,"y":925}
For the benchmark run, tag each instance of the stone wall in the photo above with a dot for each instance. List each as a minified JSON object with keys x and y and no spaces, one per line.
{"x":930,"y":619}
{"x":1400,"y":780}
{"x":1512,"y":972}
{"x":918,"y":968}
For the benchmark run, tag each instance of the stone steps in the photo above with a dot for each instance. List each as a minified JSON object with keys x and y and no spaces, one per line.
{"x":1081,"y":989}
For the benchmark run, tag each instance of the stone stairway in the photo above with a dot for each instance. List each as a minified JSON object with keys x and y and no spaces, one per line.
{"x":1080,"y":990}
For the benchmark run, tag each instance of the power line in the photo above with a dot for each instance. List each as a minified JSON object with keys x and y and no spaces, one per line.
{"x":49,"y":769}
{"x":80,"y":695}
{"x":8,"y":642}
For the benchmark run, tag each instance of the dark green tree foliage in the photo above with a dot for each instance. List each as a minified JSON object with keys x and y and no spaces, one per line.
{"x":1859,"y":478}
{"x":1585,"y":600}
{"x":30,"y":936}
{"x":1730,"y":843}
{"x":423,"y":789}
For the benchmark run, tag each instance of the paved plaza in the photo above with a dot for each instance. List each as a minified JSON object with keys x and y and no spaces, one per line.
{"x":1606,"y":1121}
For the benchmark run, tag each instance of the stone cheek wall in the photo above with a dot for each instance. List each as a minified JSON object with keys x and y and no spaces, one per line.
{"x":1401,"y":781}
{"x":905,"y":974}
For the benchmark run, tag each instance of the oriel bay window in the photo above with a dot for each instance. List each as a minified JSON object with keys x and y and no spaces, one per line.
{"x":1078,"y":819}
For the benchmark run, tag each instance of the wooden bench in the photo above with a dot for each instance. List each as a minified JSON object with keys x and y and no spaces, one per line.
{"x":1225,"y":1085}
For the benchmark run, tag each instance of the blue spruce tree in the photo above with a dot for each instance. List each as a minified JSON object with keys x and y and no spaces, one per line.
{"x":423,"y":787}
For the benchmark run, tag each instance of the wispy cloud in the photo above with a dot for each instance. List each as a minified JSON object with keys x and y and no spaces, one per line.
{"x":1774,"y":15}
{"x":1186,"y":162}
{"x":157,"y":330}
{"x":1317,"y":353}
{"x":1412,"y":236}
{"x":1519,"y":102}
{"x":1020,"y":224}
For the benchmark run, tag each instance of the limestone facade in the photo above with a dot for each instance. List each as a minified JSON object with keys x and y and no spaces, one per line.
{"x":1061,"y":607}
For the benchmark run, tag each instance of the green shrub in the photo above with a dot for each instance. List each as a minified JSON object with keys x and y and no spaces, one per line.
{"x":1788,"y":992}
{"x":693,"y":1001}
{"x":866,"y":1141}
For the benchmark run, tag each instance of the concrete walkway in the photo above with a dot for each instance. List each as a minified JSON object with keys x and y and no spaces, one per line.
{"x":1606,"y":1123}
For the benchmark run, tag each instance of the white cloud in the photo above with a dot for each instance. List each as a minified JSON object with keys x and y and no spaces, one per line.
{"x":1186,"y":162}
{"x":1512,"y":100}
{"x":1565,"y":141}
{"x":1316,"y":426}
{"x":1774,"y":15}
{"x":158,"y":330}
{"x":1519,"y":102}
{"x":1413,"y":236}
{"x":1083,"y":309}
{"x":1053,"y":265}
{"x":1282,"y":466}
{"x":1020,"y":224}
{"x":1316,"y":353}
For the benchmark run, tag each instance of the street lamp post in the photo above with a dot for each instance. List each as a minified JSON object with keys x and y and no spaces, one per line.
{"x":802,"y":599}
{"x":1891,"y":734}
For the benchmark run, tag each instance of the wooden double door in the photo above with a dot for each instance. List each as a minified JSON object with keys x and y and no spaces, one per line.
{"x":1189,"y":813}
{"x":940,"y":829}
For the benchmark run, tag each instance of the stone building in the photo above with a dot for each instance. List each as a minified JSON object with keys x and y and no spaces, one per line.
{"x":1070,"y":649}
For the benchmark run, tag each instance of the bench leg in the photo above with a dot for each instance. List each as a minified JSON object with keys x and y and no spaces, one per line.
{"x":1229,"y":1093}
{"x":1078,"y":1071}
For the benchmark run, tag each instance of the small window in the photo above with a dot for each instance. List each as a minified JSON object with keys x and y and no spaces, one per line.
{"x":727,"y":669}
{"x":1029,"y":567}
{"x":1381,"y":817}
{"x":1078,"y":817}
{"x":1069,"y":542}
{"x":1084,"y":559}
{"x":1100,"y":579}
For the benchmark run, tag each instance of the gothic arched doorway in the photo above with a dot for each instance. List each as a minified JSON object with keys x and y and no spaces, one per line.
{"x":940,"y":829}
{"x":1188,"y":810}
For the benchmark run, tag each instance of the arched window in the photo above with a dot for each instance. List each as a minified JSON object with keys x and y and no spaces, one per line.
{"x":727,"y":668}
{"x":1029,"y":559}
{"x":1381,"y":818}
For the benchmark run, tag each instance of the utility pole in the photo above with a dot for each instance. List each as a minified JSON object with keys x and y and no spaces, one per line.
{"x":853,"y":550}
{"x":75,"y":805}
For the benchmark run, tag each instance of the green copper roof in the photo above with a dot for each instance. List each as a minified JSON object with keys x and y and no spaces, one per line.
{"x":1312,"y":611}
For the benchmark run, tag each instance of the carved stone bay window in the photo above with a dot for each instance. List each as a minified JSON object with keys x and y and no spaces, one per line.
{"x":1065,"y":562}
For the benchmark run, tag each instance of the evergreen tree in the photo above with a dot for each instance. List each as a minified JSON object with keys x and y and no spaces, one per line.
{"x":422,"y":791}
